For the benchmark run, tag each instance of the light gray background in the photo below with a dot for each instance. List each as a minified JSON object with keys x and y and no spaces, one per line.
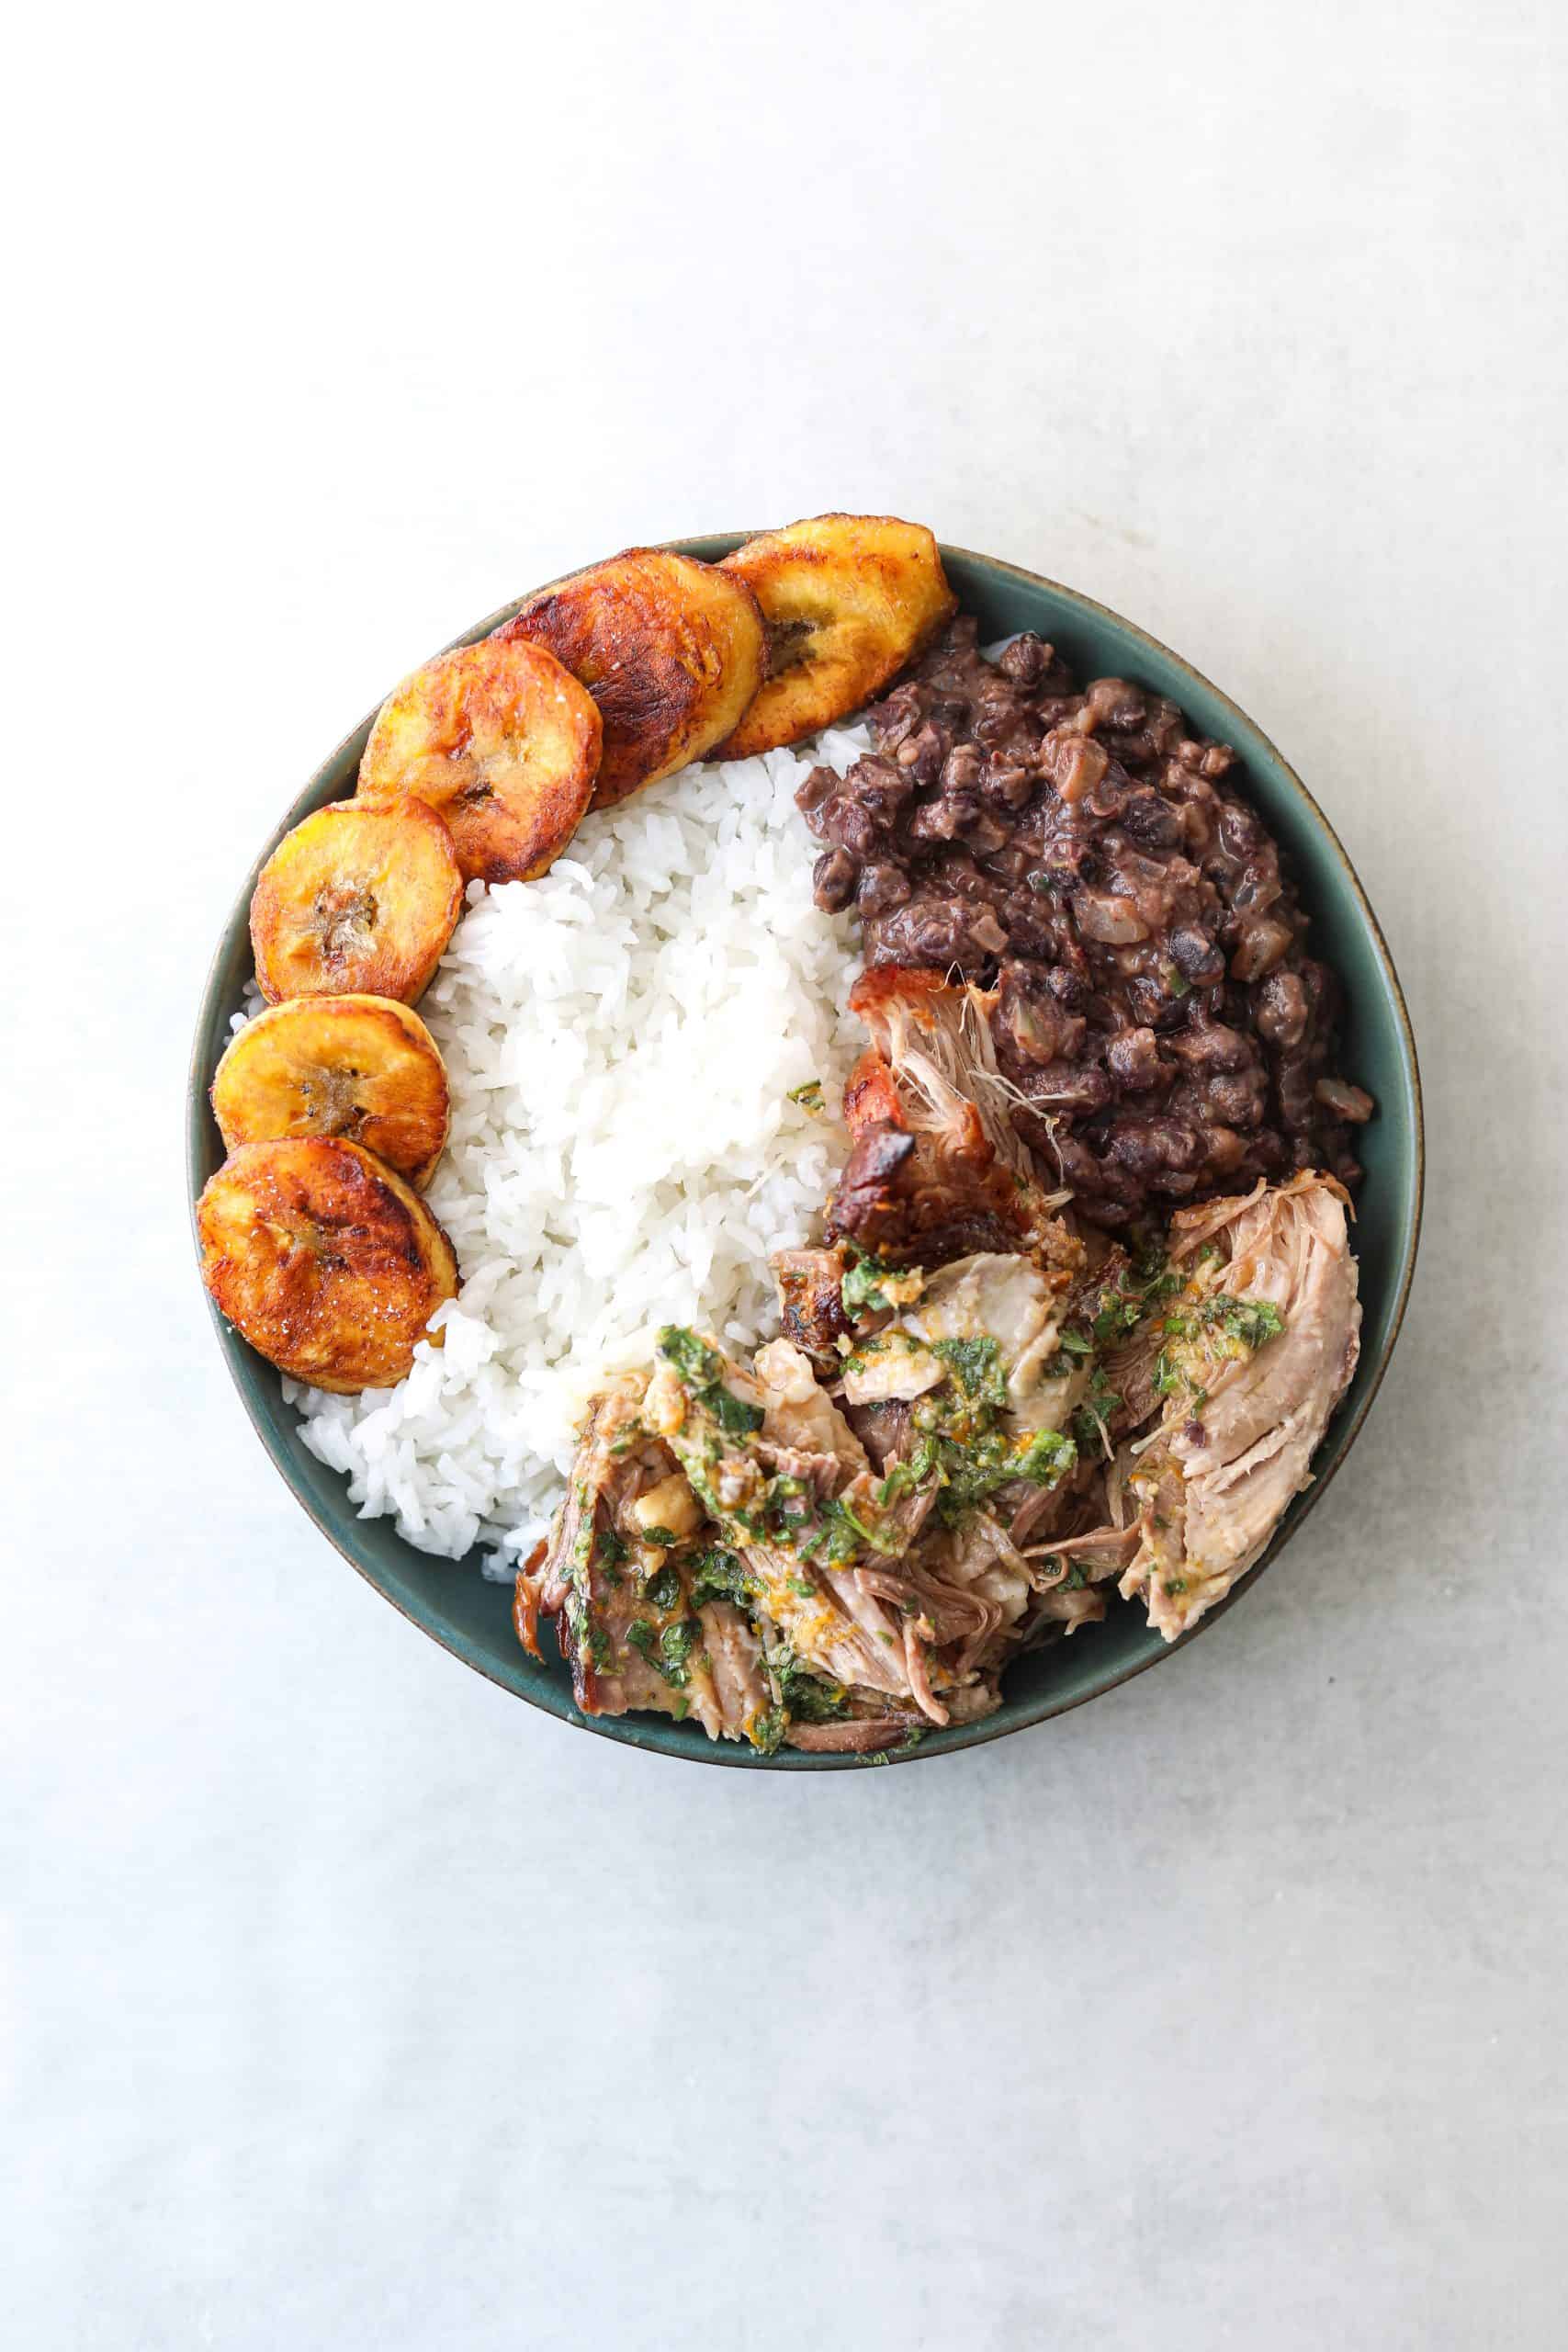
{"x":349,"y":2003}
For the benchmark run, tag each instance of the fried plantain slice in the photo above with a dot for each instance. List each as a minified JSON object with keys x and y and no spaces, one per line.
{"x":847,"y":600}
{"x":357,"y":901}
{"x":503,"y":742}
{"x":324,"y":1259}
{"x":671,"y":650}
{"x":362,"y":1067}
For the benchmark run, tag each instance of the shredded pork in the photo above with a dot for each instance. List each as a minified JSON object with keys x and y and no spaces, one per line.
{"x":978,"y":1420}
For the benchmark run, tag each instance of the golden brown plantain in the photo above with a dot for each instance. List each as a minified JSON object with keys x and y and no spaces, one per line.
{"x":324,"y":1259}
{"x":364,"y":1066}
{"x":847,"y":600}
{"x":357,"y":901}
{"x":671,"y":650}
{"x":501,"y":740}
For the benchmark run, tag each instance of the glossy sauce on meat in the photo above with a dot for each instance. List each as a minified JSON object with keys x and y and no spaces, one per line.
{"x":1086,"y":858}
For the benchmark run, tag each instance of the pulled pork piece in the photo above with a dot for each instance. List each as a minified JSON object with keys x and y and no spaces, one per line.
{"x":891,"y":1368}
{"x":1014,"y":1301}
{"x":780,"y":1472}
{"x":974,"y":1582}
{"x":855,"y":1736}
{"x":969,"y":1381}
{"x":833,"y":1568}
{"x":886,"y":1431}
{"x":621,"y":1589}
{"x":801,"y":1419}
{"x":1260,"y":1345}
{"x":810,"y":1285}
{"x":936,"y":1039}
{"x":735,"y":1662}
{"x":937,"y":1171}
{"x":982,"y":1391}
{"x":1020,"y":1305}
{"x":1069,"y":1576}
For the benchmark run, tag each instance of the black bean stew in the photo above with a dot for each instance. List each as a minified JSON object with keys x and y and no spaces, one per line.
{"x":1088,"y":858}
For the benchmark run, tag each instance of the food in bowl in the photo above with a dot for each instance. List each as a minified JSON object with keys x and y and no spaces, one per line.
{"x":357,"y":901}
{"x":672,"y":649}
{"x":842,"y":1551}
{"x":362,"y":1067}
{"x":499,"y":740}
{"x":983,"y":1395}
{"x":325,"y":1259}
{"x":846,"y":599}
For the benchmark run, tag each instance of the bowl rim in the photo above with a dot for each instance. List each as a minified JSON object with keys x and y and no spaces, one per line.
{"x":630,"y":1730}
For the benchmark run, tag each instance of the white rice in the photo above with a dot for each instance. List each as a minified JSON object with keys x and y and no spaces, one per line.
{"x":622,"y":1037}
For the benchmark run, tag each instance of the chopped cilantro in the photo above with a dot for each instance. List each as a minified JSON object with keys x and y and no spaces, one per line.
{"x":1045,"y":1457}
{"x":1218,"y":1330}
{"x":905,"y":1476}
{"x":664,"y":1588}
{"x":676,"y":1644}
{"x":839,"y":1512}
{"x":661,"y":1536}
{"x":733,"y":1414}
{"x":840,"y":1535}
{"x":583,"y":1540}
{"x":1091,"y":1422}
{"x":977,"y":1366}
{"x":1250,"y":1320}
{"x":1123,"y":1304}
{"x":718,"y":1576}
{"x":667,"y":1652}
{"x":697,"y":1363}
{"x":701,"y":1370}
{"x":860,"y":1286}
{"x":972,"y":1474}
{"x":806,"y":1696}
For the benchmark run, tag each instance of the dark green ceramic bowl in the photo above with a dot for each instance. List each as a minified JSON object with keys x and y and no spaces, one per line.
{"x":472,"y":1617}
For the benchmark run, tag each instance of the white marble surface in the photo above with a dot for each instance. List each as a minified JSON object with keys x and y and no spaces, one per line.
{"x":349,"y":2003}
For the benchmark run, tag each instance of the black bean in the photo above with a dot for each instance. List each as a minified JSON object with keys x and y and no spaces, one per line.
{"x":1195,"y":954}
{"x":833,"y":880}
{"x":1001,"y":801}
{"x":1026,"y":660}
{"x":1133,"y":1058}
{"x":1149,"y":821}
{"x":881,"y":888}
{"x":1282,"y":1009}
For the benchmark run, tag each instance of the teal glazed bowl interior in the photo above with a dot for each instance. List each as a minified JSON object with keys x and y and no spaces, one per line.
{"x":471,"y":1615}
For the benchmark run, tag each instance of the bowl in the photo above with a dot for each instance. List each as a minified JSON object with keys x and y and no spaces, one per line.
{"x":471,"y":1616}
